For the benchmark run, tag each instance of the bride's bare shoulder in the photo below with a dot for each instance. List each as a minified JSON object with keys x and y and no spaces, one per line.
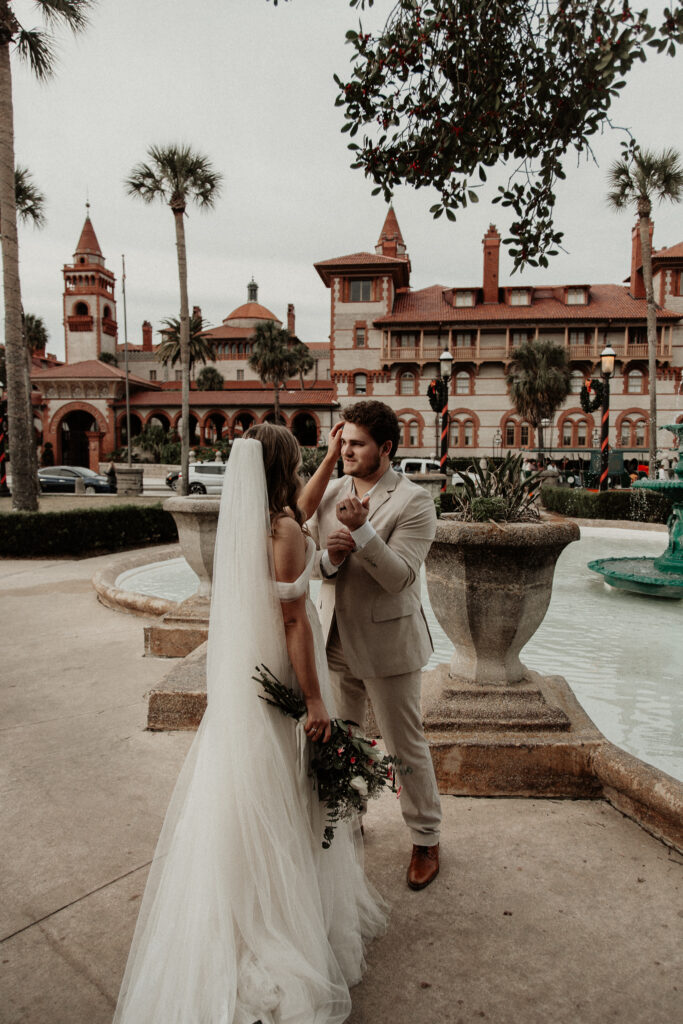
{"x":289,"y":548}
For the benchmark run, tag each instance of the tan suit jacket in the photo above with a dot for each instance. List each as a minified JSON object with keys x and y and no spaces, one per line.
{"x":375,"y":595}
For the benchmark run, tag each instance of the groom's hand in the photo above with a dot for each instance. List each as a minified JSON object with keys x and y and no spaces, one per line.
{"x":351,"y":512}
{"x":339,"y":544}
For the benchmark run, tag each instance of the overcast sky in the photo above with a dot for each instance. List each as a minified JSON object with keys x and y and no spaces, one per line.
{"x":251,"y":86}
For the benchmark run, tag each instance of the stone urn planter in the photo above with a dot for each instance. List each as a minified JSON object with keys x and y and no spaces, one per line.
{"x":490,"y":586}
{"x":196,"y":517}
{"x":183,"y":629}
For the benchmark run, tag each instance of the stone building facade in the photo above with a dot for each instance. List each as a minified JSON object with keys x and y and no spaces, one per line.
{"x":386,"y":338}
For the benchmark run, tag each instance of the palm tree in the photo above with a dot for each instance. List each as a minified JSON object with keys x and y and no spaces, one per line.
{"x":274,"y":358}
{"x":201,"y":348}
{"x":177,"y":175}
{"x":30,"y":208}
{"x":637,"y":180}
{"x":35,"y":332}
{"x":538,"y":377}
{"x":209,"y":379}
{"x":304,"y":360}
{"x":34,"y":46}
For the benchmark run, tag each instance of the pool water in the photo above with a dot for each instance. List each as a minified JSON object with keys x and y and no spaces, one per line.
{"x":621,"y":653}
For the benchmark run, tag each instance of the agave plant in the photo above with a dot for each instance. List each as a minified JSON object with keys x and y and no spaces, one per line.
{"x":498,"y":492}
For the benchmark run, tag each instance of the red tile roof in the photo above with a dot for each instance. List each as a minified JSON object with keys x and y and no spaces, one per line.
{"x":90,"y":369}
{"x":606,"y":302}
{"x":246,"y":396}
{"x":226,"y":333}
{"x":390,"y":230}
{"x":252,"y":311}
{"x":674,"y":252}
{"x":398,"y":266}
{"x":360,"y":259}
{"x":87,"y":243}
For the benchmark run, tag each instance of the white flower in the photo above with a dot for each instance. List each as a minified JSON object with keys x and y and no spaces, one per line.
{"x":358,"y":783}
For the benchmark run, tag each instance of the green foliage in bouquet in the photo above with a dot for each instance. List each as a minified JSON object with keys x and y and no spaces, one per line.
{"x":347,"y":770}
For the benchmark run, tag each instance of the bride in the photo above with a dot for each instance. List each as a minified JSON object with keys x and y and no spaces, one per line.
{"x":245,"y":918}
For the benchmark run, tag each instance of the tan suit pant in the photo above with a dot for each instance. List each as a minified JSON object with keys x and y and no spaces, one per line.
{"x":396,"y":703}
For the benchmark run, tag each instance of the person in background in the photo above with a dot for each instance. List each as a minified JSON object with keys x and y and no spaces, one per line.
{"x":111,"y":477}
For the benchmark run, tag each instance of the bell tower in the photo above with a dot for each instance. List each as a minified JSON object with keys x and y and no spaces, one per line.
{"x":89,"y":305}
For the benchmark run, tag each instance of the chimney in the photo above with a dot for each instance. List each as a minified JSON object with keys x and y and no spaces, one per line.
{"x":146,"y":336}
{"x":290,"y":318}
{"x":491,"y":242}
{"x":196,"y":312}
{"x":637,"y":284}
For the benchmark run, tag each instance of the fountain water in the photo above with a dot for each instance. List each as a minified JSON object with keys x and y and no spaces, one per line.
{"x":662,"y":576}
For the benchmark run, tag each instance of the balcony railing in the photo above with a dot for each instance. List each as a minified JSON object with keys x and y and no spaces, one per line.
{"x":79,"y":323}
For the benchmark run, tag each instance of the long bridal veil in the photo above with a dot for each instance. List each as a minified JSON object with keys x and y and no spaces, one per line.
{"x":240,"y":911}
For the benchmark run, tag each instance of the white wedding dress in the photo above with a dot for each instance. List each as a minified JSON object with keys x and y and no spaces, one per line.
{"x":245,"y":917}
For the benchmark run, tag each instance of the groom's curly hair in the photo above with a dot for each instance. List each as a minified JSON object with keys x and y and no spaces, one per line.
{"x":380,"y":421}
{"x":281,"y":459}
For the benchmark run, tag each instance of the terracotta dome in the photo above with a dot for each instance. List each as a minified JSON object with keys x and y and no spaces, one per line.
{"x":251,"y":311}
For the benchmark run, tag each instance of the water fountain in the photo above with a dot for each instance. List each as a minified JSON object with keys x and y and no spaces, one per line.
{"x":662,"y":576}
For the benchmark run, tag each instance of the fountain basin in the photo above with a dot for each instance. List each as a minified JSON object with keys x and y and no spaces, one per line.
{"x":639,"y":576}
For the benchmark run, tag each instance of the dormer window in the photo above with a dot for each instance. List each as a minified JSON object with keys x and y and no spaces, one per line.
{"x":520,"y":297}
{"x":465,"y":298}
{"x":577,"y":296}
{"x":360,"y":290}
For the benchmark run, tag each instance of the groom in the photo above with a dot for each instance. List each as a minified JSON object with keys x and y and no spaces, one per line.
{"x":374,"y":528}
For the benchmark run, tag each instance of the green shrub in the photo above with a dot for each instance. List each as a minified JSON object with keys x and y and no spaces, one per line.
{"x":81,"y":531}
{"x":633,"y":505}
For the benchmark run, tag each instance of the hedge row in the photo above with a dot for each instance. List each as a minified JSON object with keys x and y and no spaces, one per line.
{"x":81,"y":531}
{"x":636,"y":505}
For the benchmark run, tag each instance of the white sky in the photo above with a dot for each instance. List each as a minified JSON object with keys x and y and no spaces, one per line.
{"x":251,"y":86}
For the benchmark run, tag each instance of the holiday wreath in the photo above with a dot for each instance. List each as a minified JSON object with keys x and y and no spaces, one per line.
{"x":592,"y":394}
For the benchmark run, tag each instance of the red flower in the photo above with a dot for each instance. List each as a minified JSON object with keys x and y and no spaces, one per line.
{"x":352,"y":760}
{"x":373,"y":743}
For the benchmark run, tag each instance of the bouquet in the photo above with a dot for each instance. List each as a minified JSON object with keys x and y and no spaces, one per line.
{"x":348,"y":769}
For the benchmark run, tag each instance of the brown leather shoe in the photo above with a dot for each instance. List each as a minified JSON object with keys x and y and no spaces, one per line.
{"x":424,"y":866}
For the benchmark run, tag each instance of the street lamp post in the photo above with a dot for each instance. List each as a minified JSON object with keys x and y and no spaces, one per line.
{"x":4,"y":489}
{"x":607,"y":369}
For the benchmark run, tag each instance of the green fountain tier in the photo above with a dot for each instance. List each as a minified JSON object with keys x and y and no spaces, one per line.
{"x":662,"y":576}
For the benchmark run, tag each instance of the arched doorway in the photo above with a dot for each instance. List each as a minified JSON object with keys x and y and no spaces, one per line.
{"x":135,"y":428}
{"x":73,"y":444}
{"x":305,"y":429}
{"x":215,"y":428}
{"x":241,"y":424}
{"x":158,"y":419}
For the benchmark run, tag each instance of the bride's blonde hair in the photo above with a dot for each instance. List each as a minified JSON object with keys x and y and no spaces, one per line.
{"x":281,"y":459}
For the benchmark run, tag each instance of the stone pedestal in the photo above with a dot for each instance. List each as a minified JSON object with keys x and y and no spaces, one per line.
{"x":196,"y":517}
{"x":179,"y":631}
{"x":129,"y":480}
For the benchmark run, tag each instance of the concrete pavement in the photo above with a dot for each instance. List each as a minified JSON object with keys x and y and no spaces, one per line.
{"x":544,"y":910}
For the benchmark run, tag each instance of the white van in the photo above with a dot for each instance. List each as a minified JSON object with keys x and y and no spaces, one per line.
{"x":429,"y":466}
{"x":206,"y":477}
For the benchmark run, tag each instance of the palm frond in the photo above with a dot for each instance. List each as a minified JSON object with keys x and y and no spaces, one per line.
{"x":37,"y":49}
{"x":175,"y":174}
{"x":71,"y":13}
{"x":30,"y":201}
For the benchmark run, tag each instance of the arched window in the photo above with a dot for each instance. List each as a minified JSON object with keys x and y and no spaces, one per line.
{"x":106,"y":313}
{"x":81,"y":309}
{"x":576,"y":382}
{"x":360,"y":384}
{"x":634,"y":382}
{"x":516,"y":434}
{"x":461,"y":432}
{"x":462,"y":383}
{"x":410,"y":432}
{"x":575,"y":431}
{"x":581,"y":434}
{"x":639,"y":433}
{"x":406,"y":383}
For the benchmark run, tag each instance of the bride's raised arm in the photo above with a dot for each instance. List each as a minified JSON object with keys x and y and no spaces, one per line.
{"x":289,"y":556}
{"x":312,"y":492}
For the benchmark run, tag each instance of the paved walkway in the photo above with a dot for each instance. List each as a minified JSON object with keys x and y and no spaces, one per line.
{"x":545,"y":911}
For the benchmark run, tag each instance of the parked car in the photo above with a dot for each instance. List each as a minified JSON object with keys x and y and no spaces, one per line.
{"x":62,"y":480}
{"x":172,"y":479}
{"x":206,"y":477}
{"x":429,"y":466}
